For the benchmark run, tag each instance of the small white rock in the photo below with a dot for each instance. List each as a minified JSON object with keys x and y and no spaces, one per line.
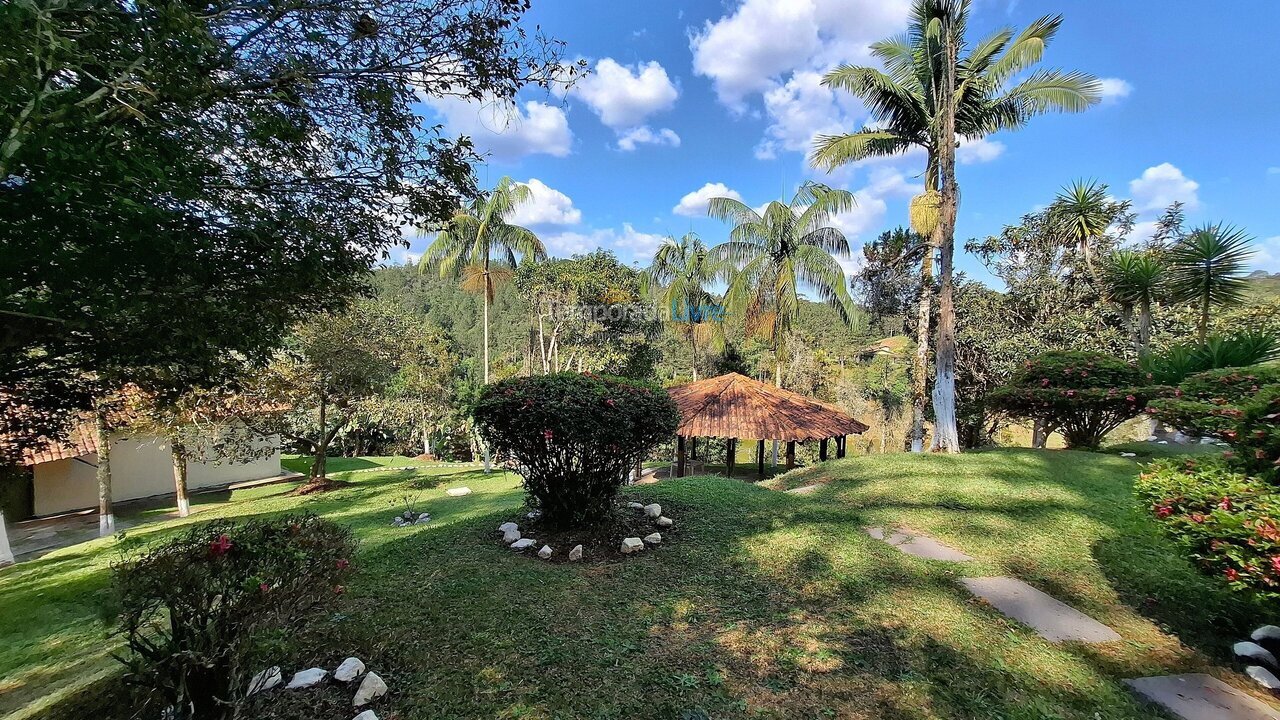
{"x":523,"y":543}
{"x":576,"y":553}
{"x":510,"y":536}
{"x":635,"y":505}
{"x":664,"y":522}
{"x":1266,"y":632}
{"x":1163,"y":442}
{"x":423,"y":519}
{"x":545,"y":552}
{"x":265,"y":680}
{"x":366,"y":715}
{"x":349,"y":670}
{"x":307,"y":678}
{"x":504,"y":527}
{"x":1263,"y":677}
{"x":1255,"y":652}
{"x":1124,"y":454}
{"x":458,"y":491}
{"x":632,"y":544}
{"x":654,"y":539}
{"x":533,"y":514}
{"x":653,"y":510}
{"x":370,"y":689}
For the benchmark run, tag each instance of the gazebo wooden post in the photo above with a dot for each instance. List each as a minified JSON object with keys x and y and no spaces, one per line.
{"x":791,"y":454}
{"x":693,"y":449}
{"x":822,"y":450}
{"x":731,"y":449}
{"x":679,"y":456}
{"x":840,"y":445}
{"x":760,"y":458}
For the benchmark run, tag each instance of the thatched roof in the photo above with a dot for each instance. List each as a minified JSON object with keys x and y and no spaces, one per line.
{"x":735,"y":406}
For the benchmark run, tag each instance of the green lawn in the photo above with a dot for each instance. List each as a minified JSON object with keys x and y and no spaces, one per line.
{"x":764,"y":604}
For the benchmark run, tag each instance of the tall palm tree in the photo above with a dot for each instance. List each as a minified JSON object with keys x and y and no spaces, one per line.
{"x":1085,"y":213}
{"x":470,"y":240}
{"x":770,"y":253}
{"x":1134,"y":281}
{"x":1207,"y":267}
{"x":677,"y":280}
{"x":928,"y":96}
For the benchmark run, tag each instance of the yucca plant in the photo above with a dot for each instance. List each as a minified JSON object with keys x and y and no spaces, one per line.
{"x":769,"y":254}
{"x":1207,"y":267}
{"x":1083,"y":210}
{"x":1135,"y":281}
{"x":931,"y":93}
{"x":468,"y":243}
{"x":1181,"y":361}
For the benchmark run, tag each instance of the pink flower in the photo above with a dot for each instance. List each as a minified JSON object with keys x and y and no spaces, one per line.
{"x":1071,"y":393}
{"x":343,"y":563}
{"x":1044,"y":382}
{"x":1130,"y":398}
{"x":339,"y":589}
{"x":1164,"y":511}
{"x":221,"y":546}
{"x":264,"y":588}
{"x":1231,"y":574}
{"x":1197,"y":517}
{"x":609,"y":402}
{"x":547,"y":435}
{"x":1275,"y":563}
{"x":1226,"y":504}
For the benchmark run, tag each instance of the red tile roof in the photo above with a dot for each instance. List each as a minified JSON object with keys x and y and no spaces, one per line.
{"x":735,"y":406}
{"x":81,"y":440}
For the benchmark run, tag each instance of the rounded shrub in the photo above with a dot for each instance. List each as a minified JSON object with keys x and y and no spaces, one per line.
{"x":574,"y":437}
{"x":192,"y":609}
{"x":1239,"y":405}
{"x":1083,"y":395}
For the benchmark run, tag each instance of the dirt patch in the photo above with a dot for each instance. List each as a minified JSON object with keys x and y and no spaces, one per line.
{"x":600,"y":543}
{"x":319,"y":487}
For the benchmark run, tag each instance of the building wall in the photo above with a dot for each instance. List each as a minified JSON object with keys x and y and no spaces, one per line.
{"x":141,"y":466}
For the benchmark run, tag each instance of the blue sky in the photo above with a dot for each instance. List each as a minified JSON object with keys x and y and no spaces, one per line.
{"x":689,"y":100}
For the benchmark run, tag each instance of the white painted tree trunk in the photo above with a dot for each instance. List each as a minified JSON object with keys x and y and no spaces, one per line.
{"x":6,"y":553}
{"x":180,"y":479}
{"x":106,"y":512}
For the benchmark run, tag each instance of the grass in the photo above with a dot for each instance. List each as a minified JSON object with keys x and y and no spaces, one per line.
{"x":765,"y":604}
{"x":1154,"y":450}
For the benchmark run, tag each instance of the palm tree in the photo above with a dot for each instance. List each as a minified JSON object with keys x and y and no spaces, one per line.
{"x":927,"y":96}
{"x":1207,"y":267}
{"x":677,"y":280}
{"x":1085,"y":213}
{"x":469,"y":241}
{"x":770,"y":253}
{"x":1134,"y":281}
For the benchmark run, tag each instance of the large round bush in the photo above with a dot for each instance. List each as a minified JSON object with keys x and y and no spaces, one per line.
{"x":574,"y":437}
{"x":1239,"y":405}
{"x":1083,"y":395}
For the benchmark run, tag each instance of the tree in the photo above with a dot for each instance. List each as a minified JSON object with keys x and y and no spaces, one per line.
{"x":929,"y":96}
{"x":1207,"y":267}
{"x":148,"y":153}
{"x":677,"y":281}
{"x":1084,"y":211}
{"x":1135,"y":281}
{"x":769,"y":254}
{"x":476,"y":233}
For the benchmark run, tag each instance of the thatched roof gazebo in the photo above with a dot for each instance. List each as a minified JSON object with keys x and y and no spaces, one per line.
{"x":734,"y":406}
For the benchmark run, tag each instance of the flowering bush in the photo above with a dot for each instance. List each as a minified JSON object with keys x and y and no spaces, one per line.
{"x":191,"y":609}
{"x":1083,"y":395}
{"x":1228,"y":520}
{"x":1239,"y":405}
{"x":574,"y":437}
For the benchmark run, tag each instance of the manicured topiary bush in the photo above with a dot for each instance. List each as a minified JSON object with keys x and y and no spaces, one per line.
{"x":192,"y":609}
{"x":574,"y":437}
{"x":1083,"y":395}
{"x":1229,"y":521}
{"x":1239,"y":405}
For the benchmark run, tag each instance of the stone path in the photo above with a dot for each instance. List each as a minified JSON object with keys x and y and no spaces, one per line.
{"x":1052,"y":619}
{"x":805,"y":490}
{"x":917,"y":544}
{"x":1201,"y":697}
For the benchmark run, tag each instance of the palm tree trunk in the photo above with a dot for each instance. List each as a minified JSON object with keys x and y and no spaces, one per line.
{"x":1144,"y":326}
{"x":945,"y":435}
{"x":1204,"y":318}
{"x":486,"y":291}
{"x":180,"y":476}
{"x":920,"y":366}
{"x":106,"y":513}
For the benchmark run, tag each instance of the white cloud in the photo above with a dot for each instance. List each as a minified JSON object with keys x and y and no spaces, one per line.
{"x":409,"y":258}
{"x":801,"y":109}
{"x":1114,"y":89}
{"x":1273,"y":171}
{"x":624,"y":97}
{"x":981,"y":150}
{"x":628,"y":243}
{"x":1162,"y":185}
{"x":1267,"y":254}
{"x":761,"y":41}
{"x":507,"y":131}
{"x":631,"y":139}
{"x":546,"y":206}
{"x":694,"y":204}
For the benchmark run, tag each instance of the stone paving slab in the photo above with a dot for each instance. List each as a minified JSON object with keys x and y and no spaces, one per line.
{"x":914,"y":543}
{"x":1196,"y":696}
{"x":1052,"y":619}
{"x":805,"y":490}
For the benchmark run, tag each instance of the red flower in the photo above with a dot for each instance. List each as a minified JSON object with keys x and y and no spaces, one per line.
{"x":1197,"y":517}
{"x":1226,"y":504}
{"x":343,"y":563}
{"x":1231,"y":574}
{"x":1044,"y":382}
{"x":547,"y":435}
{"x":1164,"y":511}
{"x":339,"y":589}
{"x":609,"y":402}
{"x":221,"y":546}
{"x":1130,"y":398}
{"x":1275,"y":563}
{"x":263,"y":587}
{"x":1071,"y":393}
{"x":1177,"y":392}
